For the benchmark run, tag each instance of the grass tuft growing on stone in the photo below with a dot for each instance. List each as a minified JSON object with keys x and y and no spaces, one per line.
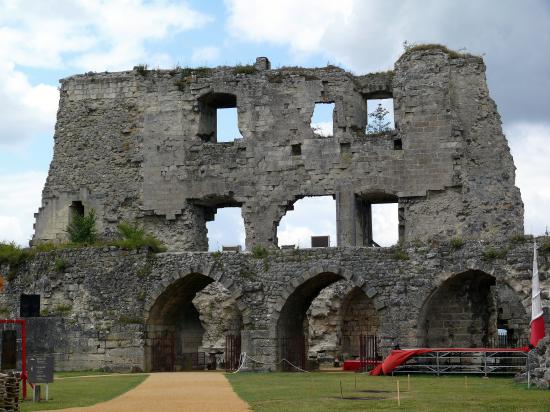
{"x":457,"y":243}
{"x":413,"y":47}
{"x":400,"y":254}
{"x":260,"y":252}
{"x":82,"y":229}
{"x":60,"y":265}
{"x":492,"y":253}
{"x":133,"y":237}
{"x":245,"y":69}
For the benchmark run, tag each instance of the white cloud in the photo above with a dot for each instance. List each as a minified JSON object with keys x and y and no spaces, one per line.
{"x":368,"y":36}
{"x":324,"y":129}
{"x":90,"y":34}
{"x":303,"y":23}
{"x":205,"y":54}
{"x":20,"y":194}
{"x":530,"y":147}
{"x":84,"y":35}
{"x":312,"y":216}
{"x":26,"y":109}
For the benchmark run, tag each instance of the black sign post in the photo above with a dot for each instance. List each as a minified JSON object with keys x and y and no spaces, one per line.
{"x":40,"y":368}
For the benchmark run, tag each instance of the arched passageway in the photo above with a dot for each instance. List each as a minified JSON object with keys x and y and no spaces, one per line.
{"x":356,"y":316}
{"x":187,"y":327}
{"x":359,"y":317}
{"x":468,"y":309}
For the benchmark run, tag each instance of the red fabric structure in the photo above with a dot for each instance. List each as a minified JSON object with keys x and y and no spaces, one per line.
{"x":355,"y":364}
{"x":537,"y":330}
{"x":399,"y":357}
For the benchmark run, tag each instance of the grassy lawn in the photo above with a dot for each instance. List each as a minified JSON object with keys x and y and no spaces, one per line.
{"x":321,"y":392}
{"x":71,"y":389}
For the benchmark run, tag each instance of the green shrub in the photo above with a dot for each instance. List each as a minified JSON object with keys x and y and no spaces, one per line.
{"x":141,"y":69}
{"x":456,"y":243}
{"x":518,"y":238}
{"x":400,"y":254}
{"x":260,"y":252}
{"x":12,"y":254}
{"x":492,"y":253}
{"x":63,"y":309}
{"x":133,"y":237}
{"x":82,"y":229}
{"x":60,"y":265}
{"x":545,"y":247}
{"x":244,"y":69}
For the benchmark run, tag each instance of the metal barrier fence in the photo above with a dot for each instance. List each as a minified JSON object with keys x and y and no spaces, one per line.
{"x":472,"y":362}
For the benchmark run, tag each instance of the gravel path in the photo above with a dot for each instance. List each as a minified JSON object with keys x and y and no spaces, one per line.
{"x":183,"y":391}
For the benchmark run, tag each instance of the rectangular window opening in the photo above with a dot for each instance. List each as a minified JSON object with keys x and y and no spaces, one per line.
{"x":76,"y":209}
{"x":308,"y":221}
{"x":226,"y":230}
{"x":227,"y":125}
{"x":322,"y":121}
{"x":380,"y":117}
{"x":296,"y":149}
{"x":29,"y":306}
{"x":385,"y":224}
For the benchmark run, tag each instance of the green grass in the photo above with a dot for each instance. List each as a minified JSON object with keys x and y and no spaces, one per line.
{"x":266,"y":392}
{"x":82,"y":391}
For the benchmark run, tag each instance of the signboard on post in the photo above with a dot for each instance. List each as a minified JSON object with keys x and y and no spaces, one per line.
{"x":40,"y":368}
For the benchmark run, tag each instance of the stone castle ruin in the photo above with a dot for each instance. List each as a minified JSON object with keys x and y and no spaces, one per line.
{"x":142,"y":146}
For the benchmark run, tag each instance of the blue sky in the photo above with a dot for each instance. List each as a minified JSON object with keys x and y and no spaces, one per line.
{"x":43,"y":41}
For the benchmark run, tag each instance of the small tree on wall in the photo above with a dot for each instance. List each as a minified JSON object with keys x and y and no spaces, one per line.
{"x":82,"y":228}
{"x":378,"y":123}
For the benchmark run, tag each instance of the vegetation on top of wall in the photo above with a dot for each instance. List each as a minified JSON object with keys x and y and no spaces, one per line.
{"x":545,"y":247}
{"x":12,"y":254}
{"x":141,"y":69}
{"x":186,"y":75}
{"x":260,"y":252}
{"x":133,"y":237}
{"x":412,"y":47}
{"x":82,"y":228}
{"x":400,"y":254}
{"x":244,"y":69}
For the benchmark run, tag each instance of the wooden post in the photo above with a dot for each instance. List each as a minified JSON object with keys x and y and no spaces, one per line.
{"x":355,"y":381}
{"x":398,"y":395}
{"x":466,"y":381}
{"x":408,"y":382}
{"x":341,"y":392}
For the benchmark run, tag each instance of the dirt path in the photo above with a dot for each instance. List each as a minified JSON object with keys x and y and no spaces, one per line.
{"x":185,"y":391}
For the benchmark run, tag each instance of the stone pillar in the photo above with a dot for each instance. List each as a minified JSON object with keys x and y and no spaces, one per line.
{"x":260,"y":223}
{"x":353,"y":220}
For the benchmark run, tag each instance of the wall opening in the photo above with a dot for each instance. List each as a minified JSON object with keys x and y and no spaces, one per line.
{"x":322,"y":120}
{"x":218,"y":120}
{"x":359,"y":317}
{"x":380,"y":117}
{"x":379,"y":219}
{"x":76,"y":209}
{"x":225,"y":229}
{"x":460,"y":313}
{"x":296,"y":149}
{"x":188,"y":324}
{"x":29,"y":306}
{"x":9,"y":349}
{"x":308,"y":217}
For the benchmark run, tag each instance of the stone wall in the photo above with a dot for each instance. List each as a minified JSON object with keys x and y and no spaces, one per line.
{"x":141,"y":146}
{"x":112,"y":299}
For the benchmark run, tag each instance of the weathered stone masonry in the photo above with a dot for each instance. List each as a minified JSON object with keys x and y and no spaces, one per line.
{"x":115,"y":296}
{"x":141,"y":146}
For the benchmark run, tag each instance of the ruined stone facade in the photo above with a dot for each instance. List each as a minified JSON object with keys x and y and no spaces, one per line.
{"x":141,"y":146}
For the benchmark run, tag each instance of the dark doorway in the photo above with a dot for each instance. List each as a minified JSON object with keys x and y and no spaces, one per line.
{"x":9,"y":349}
{"x":30,"y":306}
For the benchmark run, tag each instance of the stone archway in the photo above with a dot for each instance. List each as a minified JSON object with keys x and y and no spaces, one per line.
{"x":358,"y":317}
{"x":180,"y":333}
{"x":290,"y":332}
